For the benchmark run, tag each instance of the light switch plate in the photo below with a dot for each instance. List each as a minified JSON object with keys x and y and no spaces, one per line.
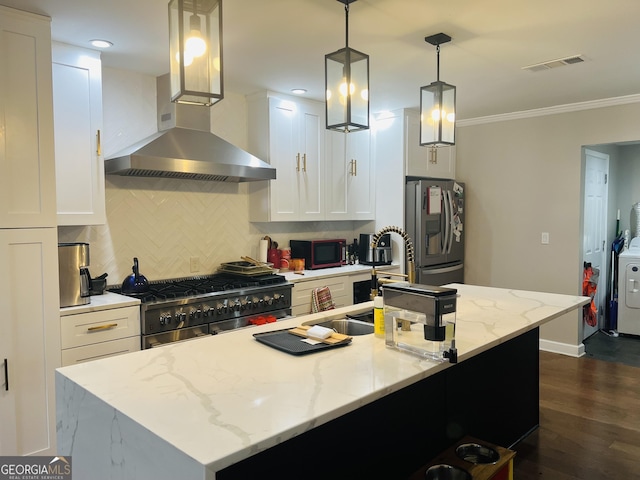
{"x":545,"y":238}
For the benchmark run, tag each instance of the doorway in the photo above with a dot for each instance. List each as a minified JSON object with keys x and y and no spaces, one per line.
{"x":595,"y":245}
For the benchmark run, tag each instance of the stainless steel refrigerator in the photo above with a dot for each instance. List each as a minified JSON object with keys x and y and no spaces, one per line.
{"x":435,"y":222}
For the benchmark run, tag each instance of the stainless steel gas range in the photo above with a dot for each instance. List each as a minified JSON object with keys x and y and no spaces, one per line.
{"x":186,"y":308}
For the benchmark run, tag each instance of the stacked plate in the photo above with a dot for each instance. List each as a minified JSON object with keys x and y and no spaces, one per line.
{"x":246,"y":268}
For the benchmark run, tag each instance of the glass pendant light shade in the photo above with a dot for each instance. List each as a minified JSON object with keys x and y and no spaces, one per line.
{"x":438,"y":105}
{"x":195,"y":47}
{"x":347,"y":86}
{"x":438,"y":114}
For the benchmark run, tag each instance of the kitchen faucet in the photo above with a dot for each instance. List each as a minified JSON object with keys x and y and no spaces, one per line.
{"x":411,"y":267}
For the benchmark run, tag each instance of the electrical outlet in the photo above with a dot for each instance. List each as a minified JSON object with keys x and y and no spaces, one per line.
{"x":195,"y":264}
{"x":545,"y":238}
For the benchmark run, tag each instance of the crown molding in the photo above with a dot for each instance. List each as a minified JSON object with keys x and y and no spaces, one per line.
{"x":540,"y":112}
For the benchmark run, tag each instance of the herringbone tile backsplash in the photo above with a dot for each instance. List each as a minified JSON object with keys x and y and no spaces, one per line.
{"x":166,"y":222}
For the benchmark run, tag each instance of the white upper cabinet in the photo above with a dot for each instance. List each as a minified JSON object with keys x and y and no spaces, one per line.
{"x":288,"y":134}
{"x":27,"y":192}
{"x":425,"y":161}
{"x":77,"y":103}
{"x":349,"y":186}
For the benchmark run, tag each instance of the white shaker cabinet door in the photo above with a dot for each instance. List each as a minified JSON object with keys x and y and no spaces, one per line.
{"x":426,"y":161}
{"x":361,"y":182}
{"x":349,"y":176}
{"x":27,"y":170}
{"x":289,"y":135}
{"x":311,"y":173}
{"x":77,"y":107}
{"x":30,"y":340}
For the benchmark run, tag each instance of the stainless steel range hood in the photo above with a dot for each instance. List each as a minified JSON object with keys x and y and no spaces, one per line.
{"x":185,"y":148}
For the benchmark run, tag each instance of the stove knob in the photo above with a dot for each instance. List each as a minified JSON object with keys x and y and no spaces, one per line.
{"x":268,"y":300}
{"x":165,"y":319}
{"x":205,"y":311}
{"x":244,"y":304}
{"x":277,"y":297}
{"x":221,"y":307}
{"x":195,"y":314}
{"x":256,"y":302}
{"x":181,"y":317}
{"x":236,"y":306}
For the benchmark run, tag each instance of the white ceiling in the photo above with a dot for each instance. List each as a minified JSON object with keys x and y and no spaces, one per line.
{"x":280,"y":45}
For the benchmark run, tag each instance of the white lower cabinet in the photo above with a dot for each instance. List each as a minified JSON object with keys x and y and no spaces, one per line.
{"x":29,"y":340}
{"x":340,"y":285}
{"x":341,"y":293}
{"x":94,"y":335}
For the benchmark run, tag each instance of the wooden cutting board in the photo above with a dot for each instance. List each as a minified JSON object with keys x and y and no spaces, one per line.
{"x":334,"y":339}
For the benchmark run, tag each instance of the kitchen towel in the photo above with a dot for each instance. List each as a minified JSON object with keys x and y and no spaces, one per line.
{"x":321,"y":300}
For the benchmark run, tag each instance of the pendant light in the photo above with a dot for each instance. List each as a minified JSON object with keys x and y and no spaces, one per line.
{"x":195,"y":47}
{"x":438,"y":105}
{"x":347,"y":86}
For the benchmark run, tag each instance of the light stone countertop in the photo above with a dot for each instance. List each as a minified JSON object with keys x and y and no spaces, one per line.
{"x":105,"y":301}
{"x":193,"y":408}
{"x":333,"y":271}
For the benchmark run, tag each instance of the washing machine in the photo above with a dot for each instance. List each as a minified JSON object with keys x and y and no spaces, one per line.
{"x":629,"y":289}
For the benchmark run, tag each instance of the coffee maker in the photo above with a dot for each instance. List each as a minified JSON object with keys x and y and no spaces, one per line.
{"x":381,"y":255}
{"x":73,"y":271}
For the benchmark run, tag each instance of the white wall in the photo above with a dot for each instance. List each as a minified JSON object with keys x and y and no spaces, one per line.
{"x":523,"y":177}
{"x":628,"y":192}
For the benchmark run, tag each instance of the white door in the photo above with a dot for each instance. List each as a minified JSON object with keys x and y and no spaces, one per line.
{"x":595,"y":248}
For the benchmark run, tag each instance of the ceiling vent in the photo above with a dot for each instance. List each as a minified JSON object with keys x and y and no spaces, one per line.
{"x":560,"y":62}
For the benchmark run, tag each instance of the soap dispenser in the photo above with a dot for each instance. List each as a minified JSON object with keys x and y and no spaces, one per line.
{"x":378,"y":316}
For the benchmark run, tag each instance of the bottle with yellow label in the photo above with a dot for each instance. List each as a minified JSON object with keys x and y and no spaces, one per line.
{"x":378,"y":316}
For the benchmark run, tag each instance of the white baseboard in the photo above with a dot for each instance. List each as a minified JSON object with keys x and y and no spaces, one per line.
{"x":562,"y":348}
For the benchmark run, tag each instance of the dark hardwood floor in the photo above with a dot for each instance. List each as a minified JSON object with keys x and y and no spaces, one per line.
{"x":589,"y":422}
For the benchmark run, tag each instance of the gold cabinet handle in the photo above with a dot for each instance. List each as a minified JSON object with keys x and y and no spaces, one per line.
{"x":298,"y":162}
{"x":433,"y":159}
{"x":102,"y":327}
{"x":304,"y":162}
{"x":354,"y":167}
{"x":98,"y":144}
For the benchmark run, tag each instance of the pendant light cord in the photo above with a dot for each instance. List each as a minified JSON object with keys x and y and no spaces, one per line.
{"x":346,"y":21}
{"x":438,"y":62}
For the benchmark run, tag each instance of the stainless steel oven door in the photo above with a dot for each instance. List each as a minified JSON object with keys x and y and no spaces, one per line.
{"x":189,"y":333}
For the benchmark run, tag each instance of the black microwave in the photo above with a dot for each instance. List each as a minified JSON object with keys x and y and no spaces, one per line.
{"x":320,"y":253}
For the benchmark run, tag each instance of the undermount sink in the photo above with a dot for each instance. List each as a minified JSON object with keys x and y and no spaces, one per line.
{"x":348,"y":326}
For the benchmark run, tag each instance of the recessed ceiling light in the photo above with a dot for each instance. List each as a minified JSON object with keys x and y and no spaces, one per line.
{"x":299,"y":91}
{"x":101,"y":43}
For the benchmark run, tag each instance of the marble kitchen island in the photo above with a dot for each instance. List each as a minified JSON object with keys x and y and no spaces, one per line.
{"x":227,"y":406}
